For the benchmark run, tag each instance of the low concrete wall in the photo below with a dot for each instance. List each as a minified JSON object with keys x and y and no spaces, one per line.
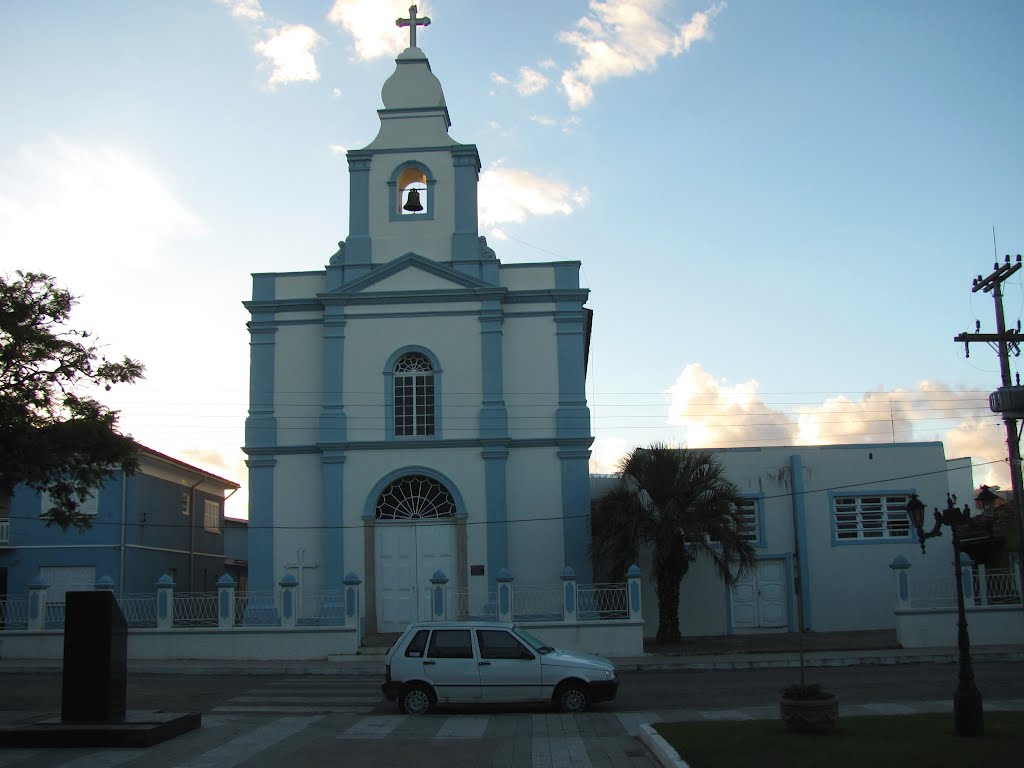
{"x":611,"y":637}
{"x":606,"y":638}
{"x":937,"y":627}
{"x":240,"y":643}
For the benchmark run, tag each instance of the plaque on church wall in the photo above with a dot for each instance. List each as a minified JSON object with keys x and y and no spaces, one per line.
{"x":476,"y":570}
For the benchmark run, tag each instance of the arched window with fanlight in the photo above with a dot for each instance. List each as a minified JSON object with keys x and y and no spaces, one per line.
{"x":414,"y":396}
{"x":411,"y":193}
{"x":415,"y":497}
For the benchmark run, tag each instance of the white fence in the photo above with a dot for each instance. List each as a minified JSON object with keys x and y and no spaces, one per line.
{"x":981,"y":587}
{"x":599,"y":618}
{"x":926,"y":609}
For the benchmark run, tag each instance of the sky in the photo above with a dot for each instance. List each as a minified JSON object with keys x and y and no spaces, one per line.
{"x":779,"y":205}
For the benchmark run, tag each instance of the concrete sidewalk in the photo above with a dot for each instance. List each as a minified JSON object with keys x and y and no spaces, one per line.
{"x":780,"y":650}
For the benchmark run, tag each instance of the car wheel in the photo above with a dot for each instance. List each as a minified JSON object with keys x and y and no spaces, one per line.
{"x":572,"y":697}
{"x":416,"y":699}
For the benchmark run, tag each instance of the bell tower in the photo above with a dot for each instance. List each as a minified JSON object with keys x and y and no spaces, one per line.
{"x":413,"y":189}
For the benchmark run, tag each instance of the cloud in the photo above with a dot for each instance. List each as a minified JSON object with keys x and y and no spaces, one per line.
{"x":337,"y":150}
{"x":712,"y":413}
{"x":372,"y":25}
{"x":245,"y":9}
{"x":530,"y":81}
{"x":620,"y":38}
{"x":290,"y":49}
{"x":66,"y":207}
{"x":511,"y":195}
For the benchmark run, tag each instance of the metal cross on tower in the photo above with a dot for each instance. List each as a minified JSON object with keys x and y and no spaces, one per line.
{"x":412,"y":22}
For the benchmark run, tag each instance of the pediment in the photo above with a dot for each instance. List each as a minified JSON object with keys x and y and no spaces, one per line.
{"x":410,"y":273}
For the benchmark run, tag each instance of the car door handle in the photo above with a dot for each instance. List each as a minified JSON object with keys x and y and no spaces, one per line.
{"x":428,"y":662}
{"x":484,"y":664}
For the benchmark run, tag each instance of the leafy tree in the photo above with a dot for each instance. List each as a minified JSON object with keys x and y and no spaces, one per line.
{"x":52,"y":438}
{"x":677,"y":502}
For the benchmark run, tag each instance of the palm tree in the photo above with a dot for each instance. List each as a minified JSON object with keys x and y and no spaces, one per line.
{"x":677,"y":502}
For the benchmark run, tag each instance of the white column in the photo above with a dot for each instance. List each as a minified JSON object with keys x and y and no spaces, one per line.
{"x":570,"y":595}
{"x":288,"y":584}
{"x":438,"y":596}
{"x":633,"y":593}
{"x":353,"y":602}
{"x":164,"y":602}
{"x":505,"y":595}
{"x":225,"y":602}
{"x":37,"y":604}
{"x":901,"y":570}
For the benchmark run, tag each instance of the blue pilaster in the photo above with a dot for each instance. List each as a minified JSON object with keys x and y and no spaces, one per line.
{"x":493,"y":414}
{"x":465,"y":238}
{"x":333,"y":424}
{"x":358,"y":243}
{"x":576,"y":510}
{"x":496,"y":491}
{"x":332,"y":467}
{"x":261,"y":523}
{"x":261,"y":425}
{"x":796,"y":471}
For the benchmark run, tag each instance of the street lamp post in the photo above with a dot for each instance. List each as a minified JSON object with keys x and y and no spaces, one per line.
{"x":967,"y":711}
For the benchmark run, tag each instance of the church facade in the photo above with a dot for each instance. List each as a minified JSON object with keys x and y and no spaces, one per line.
{"x":415,"y":404}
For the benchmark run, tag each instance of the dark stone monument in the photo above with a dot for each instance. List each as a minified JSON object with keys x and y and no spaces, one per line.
{"x":94,"y":688}
{"x":95,"y":682}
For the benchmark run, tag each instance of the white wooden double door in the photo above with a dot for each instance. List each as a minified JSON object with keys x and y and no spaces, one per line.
{"x":407,"y":556}
{"x":759,"y":598}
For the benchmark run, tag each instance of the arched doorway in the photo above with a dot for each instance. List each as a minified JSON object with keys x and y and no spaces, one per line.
{"x":415,"y":535}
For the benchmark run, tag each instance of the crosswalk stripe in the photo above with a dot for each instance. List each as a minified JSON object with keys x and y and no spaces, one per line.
{"x":288,"y":710}
{"x":462,"y":727}
{"x":306,"y":699}
{"x":373,"y":727}
{"x":239,"y":750}
{"x":104,"y":759}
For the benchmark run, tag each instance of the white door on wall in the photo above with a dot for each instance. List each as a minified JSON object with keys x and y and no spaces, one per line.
{"x":67,"y":578}
{"x":759,"y":598}
{"x":406,"y":558}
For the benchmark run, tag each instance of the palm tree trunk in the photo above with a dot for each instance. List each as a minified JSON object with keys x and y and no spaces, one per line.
{"x":667,"y":582}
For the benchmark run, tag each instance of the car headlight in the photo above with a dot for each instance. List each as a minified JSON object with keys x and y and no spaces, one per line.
{"x":609,"y":674}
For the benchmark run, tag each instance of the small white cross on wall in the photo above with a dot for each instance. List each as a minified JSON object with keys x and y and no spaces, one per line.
{"x":412,"y":22}
{"x":300,"y":564}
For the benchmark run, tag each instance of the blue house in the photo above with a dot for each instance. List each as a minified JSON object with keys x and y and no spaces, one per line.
{"x":167,"y":518}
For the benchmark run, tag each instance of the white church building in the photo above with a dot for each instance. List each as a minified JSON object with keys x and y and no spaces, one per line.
{"x":415,"y":404}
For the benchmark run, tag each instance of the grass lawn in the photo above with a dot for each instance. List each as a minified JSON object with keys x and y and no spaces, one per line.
{"x":872,"y":742}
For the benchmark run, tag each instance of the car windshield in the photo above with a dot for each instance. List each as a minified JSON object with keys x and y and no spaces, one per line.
{"x":538,"y":645}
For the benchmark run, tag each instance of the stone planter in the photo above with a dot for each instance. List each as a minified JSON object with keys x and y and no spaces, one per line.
{"x":810,"y":715}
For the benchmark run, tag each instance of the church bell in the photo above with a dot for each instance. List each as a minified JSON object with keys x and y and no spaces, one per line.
{"x":412,"y":202}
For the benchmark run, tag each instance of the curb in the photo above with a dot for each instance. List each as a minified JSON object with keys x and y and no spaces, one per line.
{"x":660,"y":749}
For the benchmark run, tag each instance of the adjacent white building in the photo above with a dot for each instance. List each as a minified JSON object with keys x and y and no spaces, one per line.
{"x":415,"y":404}
{"x":826,"y":522}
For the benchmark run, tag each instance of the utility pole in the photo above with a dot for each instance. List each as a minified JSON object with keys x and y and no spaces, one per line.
{"x":1008,"y":400}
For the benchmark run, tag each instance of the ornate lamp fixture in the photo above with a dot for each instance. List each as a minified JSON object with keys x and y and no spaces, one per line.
{"x":967,"y":710}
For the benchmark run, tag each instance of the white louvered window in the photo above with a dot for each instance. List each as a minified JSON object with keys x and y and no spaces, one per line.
{"x":211,"y":516}
{"x":871,"y":517}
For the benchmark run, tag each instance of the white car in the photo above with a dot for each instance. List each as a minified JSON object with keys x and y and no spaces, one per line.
{"x":490,"y":662}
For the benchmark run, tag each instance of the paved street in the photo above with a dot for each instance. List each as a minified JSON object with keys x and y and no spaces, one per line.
{"x":310,"y":720}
